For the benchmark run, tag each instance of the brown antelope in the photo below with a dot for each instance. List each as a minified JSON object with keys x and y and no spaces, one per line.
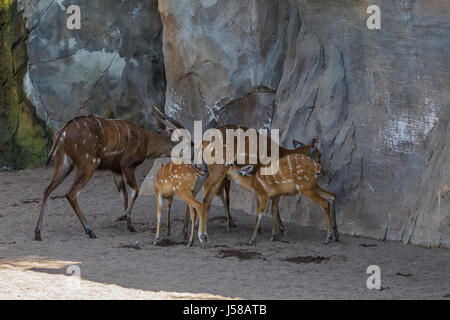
{"x":182,"y":180}
{"x":224,"y":190}
{"x":91,"y":143}
{"x":218,"y":171}
{"x":297,"y":174}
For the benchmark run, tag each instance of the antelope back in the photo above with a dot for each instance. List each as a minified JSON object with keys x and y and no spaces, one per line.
{"x":308,"y":150}
{"x":106,"y":137}
{"x":172,"y":177}
{"x":294,"y":171}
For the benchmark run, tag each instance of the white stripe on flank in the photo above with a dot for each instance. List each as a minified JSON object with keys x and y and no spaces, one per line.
{"x":289,"y":163}
{"x":262,"y":183}
{"x":281,"y":173}
{"x":128,"y":128}
{"x":118,"y":132}
{"x":139,"y":137}
{"x":101,"y":127}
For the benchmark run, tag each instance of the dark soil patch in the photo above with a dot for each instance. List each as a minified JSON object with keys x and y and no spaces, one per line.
{"x":243,"y":244}
{"x":365,"y":245}
{"x":170,"y":243}
{"x":447,"y":296}
{"x":131,"y":246}
{"x":35,"y":200}
{"x":306,"y":259}
{"x":240,"y":254}
{"x":404,"y":274}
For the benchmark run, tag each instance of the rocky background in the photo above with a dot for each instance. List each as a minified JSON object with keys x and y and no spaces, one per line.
{"x":377,"y":100}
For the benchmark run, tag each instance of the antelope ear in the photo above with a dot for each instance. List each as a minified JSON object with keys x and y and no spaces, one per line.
{"x":297,"y":144}
{"x":247,"y":170}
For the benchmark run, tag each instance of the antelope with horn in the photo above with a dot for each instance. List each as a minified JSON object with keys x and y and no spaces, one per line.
{"x":90,"y":143}
{"x":218,"y":171}
{"x":224,"y":190}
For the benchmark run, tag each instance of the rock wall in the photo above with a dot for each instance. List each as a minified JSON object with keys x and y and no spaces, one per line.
{"x":23,"y":140}
{"x":112,"y":66}
{"x":377,"y":100}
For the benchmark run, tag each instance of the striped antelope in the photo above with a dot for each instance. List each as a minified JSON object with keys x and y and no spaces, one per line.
{"x":218,"y":172}
{"x":297,"y":174}
{"x":182,"y":180}
{"x":91,"y":143}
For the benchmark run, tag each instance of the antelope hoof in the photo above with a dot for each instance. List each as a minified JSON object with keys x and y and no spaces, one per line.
{"x":185,"y":235}
{"x":252,"y":242}
{"x":91,"y":234}
{"x":274,"y":237}
{"x":328,"y":238}
{"x":190,"y":243}
{"x":168,"y":232}
{"x":155,"y":243}
{"x":122,"y":218}
{"x":336,"y":234}
{"x":131,"y":228}
{"x":203,"y":239}
{"x":37,"y":235}
{"x":232,"y":223}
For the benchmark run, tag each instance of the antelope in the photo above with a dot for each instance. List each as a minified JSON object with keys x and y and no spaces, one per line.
{"x":297,"y":174}
{"x":224,"y":190}
{"x":218,"y":171}
{"x":90,"y":143}
{"x":182,"y":180}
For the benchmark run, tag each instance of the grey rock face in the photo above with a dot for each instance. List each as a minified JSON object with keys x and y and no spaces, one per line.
{"x":377,"y":100}
{"x":113,"y":66}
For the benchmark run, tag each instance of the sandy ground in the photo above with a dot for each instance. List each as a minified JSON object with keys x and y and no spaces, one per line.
{"x":125,"y":265}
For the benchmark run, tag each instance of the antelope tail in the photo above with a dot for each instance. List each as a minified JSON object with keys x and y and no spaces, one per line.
{"x":56,"y":141}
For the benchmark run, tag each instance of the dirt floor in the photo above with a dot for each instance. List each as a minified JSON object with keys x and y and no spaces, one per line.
{"x":124,"y":265}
